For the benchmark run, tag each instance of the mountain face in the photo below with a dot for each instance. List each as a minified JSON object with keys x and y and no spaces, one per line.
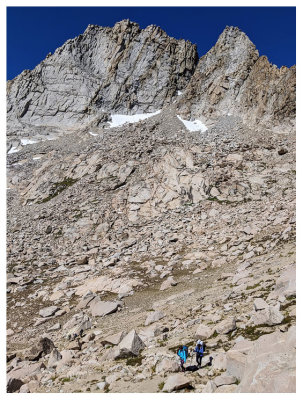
{"x":121,"y":69}
{"x":232,"y":79}
{"x":130,"y":235}
{"x":126,"y":70}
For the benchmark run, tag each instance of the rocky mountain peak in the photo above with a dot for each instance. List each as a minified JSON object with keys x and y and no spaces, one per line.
{"x":225,"y":82}
{"x":121,"y":69}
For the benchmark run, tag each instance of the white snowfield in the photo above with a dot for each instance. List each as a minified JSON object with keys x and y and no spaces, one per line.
{"x":120,"y":119}
{"x":193,"y":126}
{"x":93,"y":134}
{"x":13,"y":150}
{"x":25,"y":142}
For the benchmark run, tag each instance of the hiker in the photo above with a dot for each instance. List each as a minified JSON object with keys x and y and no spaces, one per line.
{"x":199,"y":350}
{"x":182,"y":353}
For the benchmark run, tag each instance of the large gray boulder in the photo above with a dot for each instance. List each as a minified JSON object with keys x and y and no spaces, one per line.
{"x":48,"y":311}
{"x":54,"y":357}
{"x":77,"y":323}
{"x":260,"y":304}
{"x":167,"y":365}
{"x":43,"y":347}
{"x":131,"y":345}
{"x":235,"y":363}
{"x":203,"y":332}
{"x":226,"y":326}
{"x":267,"y":316}
{"x":101,"y":308}
{"x":113,"y":339}
{"x":271,"y":364}
{"x":176,"y":382}
{"x":154,"y":316}
{"x":286,"y":283}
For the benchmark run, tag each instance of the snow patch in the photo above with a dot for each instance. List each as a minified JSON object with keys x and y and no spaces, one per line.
{"x":25,"y":142}
{"x":179,"y":93}
{"x":193,"y":126}
{"x":93,"y":134}
{"x":36,"y":158}
{"x":120,"y":119}
{"x":13,"y":150}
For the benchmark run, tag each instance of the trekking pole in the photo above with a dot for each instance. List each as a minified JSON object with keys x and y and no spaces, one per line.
{"x":191,"y":361}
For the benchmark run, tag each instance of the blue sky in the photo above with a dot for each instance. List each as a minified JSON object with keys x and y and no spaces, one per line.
{"x":33,"y":32}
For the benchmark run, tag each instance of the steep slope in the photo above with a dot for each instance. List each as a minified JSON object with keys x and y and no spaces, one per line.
{"x":124,"y":242}
{"x":232,"y":79}
{"x":120,"y":69}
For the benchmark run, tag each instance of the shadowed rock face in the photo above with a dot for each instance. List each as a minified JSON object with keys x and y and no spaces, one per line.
{"x":121,"y":69}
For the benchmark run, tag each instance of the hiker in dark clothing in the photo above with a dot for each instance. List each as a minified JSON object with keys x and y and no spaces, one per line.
{"x":199,"y":354}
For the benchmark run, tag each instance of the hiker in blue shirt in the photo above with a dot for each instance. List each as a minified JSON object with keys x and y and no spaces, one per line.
{"x":199,"y":353}
{"x":182,"y":353}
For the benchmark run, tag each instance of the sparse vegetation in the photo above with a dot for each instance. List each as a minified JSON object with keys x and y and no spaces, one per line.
{"x":134,"y":360}
{"x":57,"y":188}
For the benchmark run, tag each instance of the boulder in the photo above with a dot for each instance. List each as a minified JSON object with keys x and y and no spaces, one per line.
{"x":55,"y":327}
{"x":43,"y":347}
{"x":271,"y":364}
{"x":48,"y":311}
{"x":226,"y":326}
{"x":235,"y":363}
{"x":84,"y":302}
{"x":226,"y":388}
{"x":176,"y":382}
{"x":203,"y":332}
{"x":260,"y":304}
{"x":82,"y":260}
{"x":113,"y":339}
{"x":243,"y":346}
{"x":101,"y":385}
{"x":224,"y":379}
{"x":24,"y":389}
{"x":210,"y":387}
{"x":150,"y":332}
{"x":13,"y":384}
{"x":101,"y":308}
{"x":77,"y":323}
{"x":54,"y":357}
{"x":219,"y":361}
{"x":26,"y":370}
{"x":286,"y":283}
{"x":67,"y":358}
{"x":268,"y":316}
{"x":168,"y":283}
{"x":131,"y":345}
{"x":167,"y":365}
{"x":154,"y":317}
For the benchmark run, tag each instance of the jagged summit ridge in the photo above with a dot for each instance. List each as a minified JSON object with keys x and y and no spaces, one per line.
{"x":128,"y":70}
{"x":232,"y":79}
{"x":122,"y":69}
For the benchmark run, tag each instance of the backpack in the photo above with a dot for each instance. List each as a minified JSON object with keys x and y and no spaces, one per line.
{"x":185,"y":348}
